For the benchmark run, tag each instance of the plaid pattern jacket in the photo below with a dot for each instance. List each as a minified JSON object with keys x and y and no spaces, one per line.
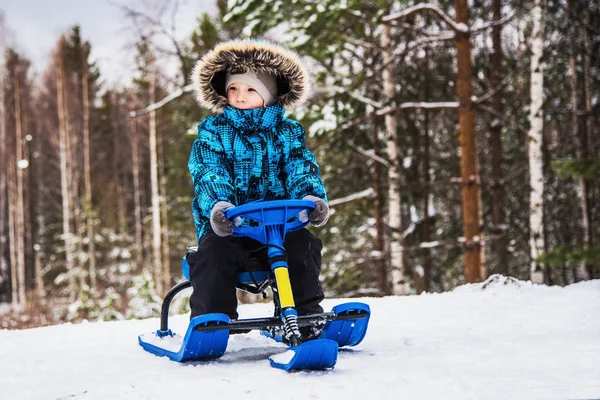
{"x":242,"y":156}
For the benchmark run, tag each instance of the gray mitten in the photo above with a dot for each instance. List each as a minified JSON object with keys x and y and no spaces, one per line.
{"x":219,"y":223}
{"x":320,"y":215}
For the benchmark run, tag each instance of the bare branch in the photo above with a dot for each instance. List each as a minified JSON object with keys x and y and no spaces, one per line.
{"x":486,"y":96}
{"x":152,"y":107}
{"x":490,"y":110}
{"x":370,"y":153}
{"x":362,"y":43}
{"x":173,"y":15}
{"x":418,"y":43}
{"x":353,"y":123}
{"x":454,"y":243}
{"x":501,"y":21}
{"x":429,"y":106}
{"x":414,"y":45}
{"x":357,"y":14}
{"x":355,"y":196}
{"x":363,"y":99}
{"x":143,"y":21}
{"x":383,"y":111}
{"x":428,"y":7}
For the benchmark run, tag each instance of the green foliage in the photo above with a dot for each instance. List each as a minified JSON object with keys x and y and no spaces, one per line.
{"x":144,"y":60}
{"x":144,"y":302}
{"x":109,"y":306}
{"x":569,"y":255}
{"x":83,"y":307}
{"x":587,"y":168}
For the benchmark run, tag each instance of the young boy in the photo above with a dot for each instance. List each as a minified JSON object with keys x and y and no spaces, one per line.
{"x":248,"y":152}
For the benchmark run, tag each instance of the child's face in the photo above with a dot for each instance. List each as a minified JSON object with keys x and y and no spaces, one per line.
{"x":242,"y":96}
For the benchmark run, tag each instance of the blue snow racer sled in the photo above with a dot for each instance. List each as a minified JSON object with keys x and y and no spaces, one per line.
{"x":207,"y":335}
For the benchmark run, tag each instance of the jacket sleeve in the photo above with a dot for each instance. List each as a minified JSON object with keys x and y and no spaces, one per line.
{"x":303,"y":176}
{"x":209,"y":168}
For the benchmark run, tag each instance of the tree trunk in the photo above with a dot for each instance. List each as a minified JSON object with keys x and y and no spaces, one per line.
{"x":3,"y":156}
{"x":118,"y":181}
{"x":586,"y":269}
{"x":63,"y":123}
{"x":12,"y":230}
{"x":395,"y":211}
{"x":426,"y":230}
{"x":382,"y":273}
{"x":521,"y":51}
{"x":87,"y":176}
{"x":20,"y":206}
{"x":29,"y":211}
{"x":166,"y":262}
{"x":139,"y":241}
{"x":535,"y":139}
{"x":426,"y":178}
{"x":496,"y":125}
{"x":575,"y":123}
{"x":156,"y":229}
{"x":468,"y":149}
{"x":121,"y":203}
{"x":40,"y":225}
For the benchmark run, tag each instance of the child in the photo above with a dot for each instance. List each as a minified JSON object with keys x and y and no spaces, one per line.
{"x":248,"y":152}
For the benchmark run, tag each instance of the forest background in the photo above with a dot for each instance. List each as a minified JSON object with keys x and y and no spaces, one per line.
{"x":456,"y":139}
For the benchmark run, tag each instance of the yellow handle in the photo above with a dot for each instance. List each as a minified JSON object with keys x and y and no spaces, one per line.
{"x":282,"y":277}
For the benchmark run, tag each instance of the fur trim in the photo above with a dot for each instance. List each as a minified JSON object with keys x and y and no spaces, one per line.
{"x":209,"y":73}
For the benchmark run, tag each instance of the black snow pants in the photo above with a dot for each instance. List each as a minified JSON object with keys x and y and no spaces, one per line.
{"x":214,"y":268}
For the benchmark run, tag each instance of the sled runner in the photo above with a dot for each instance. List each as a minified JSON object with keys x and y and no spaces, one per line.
{"x":207,"y":335}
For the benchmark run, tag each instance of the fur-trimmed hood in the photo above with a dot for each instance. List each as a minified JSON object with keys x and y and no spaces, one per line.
{"x":209,"y":73}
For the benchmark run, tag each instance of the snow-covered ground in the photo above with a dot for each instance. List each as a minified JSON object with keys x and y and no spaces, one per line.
{"x":511,"y":340}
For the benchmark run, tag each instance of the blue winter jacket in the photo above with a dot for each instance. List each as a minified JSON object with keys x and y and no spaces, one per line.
{"x":242,"y":156}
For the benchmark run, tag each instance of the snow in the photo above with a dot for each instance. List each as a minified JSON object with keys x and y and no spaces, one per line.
{"x":22,"y":164}
{"x":502,"y":339}
{"x":462,"y":27}
{"x":284,"y":358}
{"x":170,"y":343}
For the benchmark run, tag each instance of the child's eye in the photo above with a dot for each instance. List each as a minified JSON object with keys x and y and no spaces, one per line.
{"x":251,"y":90}
{"x":232,"y":88}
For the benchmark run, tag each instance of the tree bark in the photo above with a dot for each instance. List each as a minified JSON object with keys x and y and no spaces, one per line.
{"x":20,"y":206}
{"x":535,"y":139}
{"x":496,"y":125}
{"x":166,"y":262}
{"x":3,"y":156}
{"x":117,"y":180}
{"x":87,"y":174}
{"x":63,"y":123}
{"x":468,"y":148}
{"x":40,"y":225}
{"x":382,"y":273}
{"x":426,"y":231}
{"x":156,"y":228}
{"x":12,"y":231}
{"x":398,"y":277}
{"x":137,"y":194}
{"x":586,"y":268}
{"x":521,"y":50}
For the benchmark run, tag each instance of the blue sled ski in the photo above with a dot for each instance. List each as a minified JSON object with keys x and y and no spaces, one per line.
{"x":316,"y":354}
{"x":346,"y":332}
{"x":195,"y":345}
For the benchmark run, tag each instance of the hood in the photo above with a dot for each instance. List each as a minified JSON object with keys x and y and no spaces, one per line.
{"x":209,"y":73}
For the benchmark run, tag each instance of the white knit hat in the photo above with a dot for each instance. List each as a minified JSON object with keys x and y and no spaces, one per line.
{"x":265,"y":84}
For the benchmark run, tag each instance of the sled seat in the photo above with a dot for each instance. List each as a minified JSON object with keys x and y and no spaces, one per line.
{"x":255,"y":278}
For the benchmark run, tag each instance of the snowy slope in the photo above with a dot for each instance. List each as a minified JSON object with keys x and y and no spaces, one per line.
{"x":509,"y":340}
